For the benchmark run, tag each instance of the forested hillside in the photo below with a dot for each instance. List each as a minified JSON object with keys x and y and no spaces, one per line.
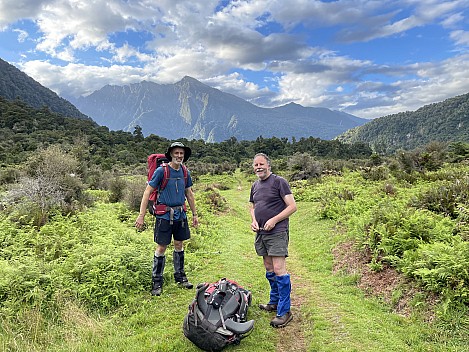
{"x":24,"y":129}
{"x":15,"y":84}
{"x":447,"y":121}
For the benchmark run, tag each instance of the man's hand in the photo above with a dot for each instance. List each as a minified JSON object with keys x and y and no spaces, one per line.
{"x":255,"y":226}
{"x":195,"y":221}
{"x":140,"y":223}
{"x":270,"y":224}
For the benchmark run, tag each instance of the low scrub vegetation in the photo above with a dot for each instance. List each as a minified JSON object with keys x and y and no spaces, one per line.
{"x":67,"y":236}
{"x":420,"y":228}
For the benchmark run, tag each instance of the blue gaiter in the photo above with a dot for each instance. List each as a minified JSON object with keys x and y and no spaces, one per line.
{"x":273,"y":287}
{"x":284,"y":290}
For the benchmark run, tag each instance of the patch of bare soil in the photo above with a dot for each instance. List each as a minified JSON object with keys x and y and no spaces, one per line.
{"x":351,"y":261}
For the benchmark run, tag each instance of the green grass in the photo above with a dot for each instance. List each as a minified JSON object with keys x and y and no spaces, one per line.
{"x":330,"y":312}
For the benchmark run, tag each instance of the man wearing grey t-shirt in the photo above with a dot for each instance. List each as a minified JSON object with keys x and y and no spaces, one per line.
{"x":272,"y":203}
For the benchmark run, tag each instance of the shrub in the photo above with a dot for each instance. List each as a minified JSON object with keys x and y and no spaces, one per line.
{"x":90,"y":257}
{"x":9,"y":175}
{"x":441,"y":267}
{"x":375,"y":173}
{"x":133,"y":193}
{"x":303,"y":166}
{"x":117,"y":189}
{"x":211,"y":196}
{"x":394,"y":230}
{"x":50,"y":182}
{"x":444,"y":198}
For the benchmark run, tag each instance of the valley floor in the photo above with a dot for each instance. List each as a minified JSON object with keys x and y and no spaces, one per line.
{"x":331,"y":313}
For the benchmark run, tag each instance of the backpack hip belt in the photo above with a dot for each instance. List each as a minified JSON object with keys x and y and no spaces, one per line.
{"x":162,"y":209}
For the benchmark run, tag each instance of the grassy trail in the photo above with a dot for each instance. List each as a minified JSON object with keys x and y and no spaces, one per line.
{"x":330,"y":313}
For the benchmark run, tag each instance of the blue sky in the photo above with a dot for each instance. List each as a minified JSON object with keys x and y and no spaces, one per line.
{"x":369,"y":58}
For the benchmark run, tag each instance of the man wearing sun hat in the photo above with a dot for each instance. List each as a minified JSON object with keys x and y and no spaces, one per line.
{"x":172,"y":224}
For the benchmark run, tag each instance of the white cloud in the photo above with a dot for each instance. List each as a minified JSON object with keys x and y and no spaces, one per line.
{"x":436,"y":82}
{"x":237,"y":85}
{"x":460,"y":37}
{"x":65,"y":80}
{"x":22,"y":35}
{"x":218,"y":47}
{"x":14,"y":10}
{"x":453,"y":20}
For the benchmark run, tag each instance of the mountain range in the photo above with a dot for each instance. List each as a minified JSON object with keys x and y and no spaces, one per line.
{"x":193,"y":110}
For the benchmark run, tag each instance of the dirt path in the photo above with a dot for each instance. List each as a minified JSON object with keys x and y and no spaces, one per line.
{"x":297,"y":335}
{"x":292,"y":337}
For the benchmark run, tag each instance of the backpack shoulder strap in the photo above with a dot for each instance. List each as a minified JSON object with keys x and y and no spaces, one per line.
{"x":186,"y":173}
{"x":164,"y":182}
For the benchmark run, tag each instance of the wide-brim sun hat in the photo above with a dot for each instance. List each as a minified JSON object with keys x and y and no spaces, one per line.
{"x":187,"y":150}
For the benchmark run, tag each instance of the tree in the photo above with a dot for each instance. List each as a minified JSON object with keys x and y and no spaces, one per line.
{"x":138,"y":134}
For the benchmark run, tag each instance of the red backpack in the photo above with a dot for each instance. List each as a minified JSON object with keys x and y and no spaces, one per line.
{"x":153,"y":162}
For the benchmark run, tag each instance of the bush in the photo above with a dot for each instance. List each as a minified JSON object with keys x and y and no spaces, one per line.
{"x":50,"y":182}
{"x":444,"y":198}
{"x":303,"y":166}
{"x":9,"y":175}
{"x":393,"y":230}
{"x":117,"y":188}
{"x":91,"y":258}
{"x":133,"y":193}
{"x":375,"y":173}
{"x":441,"y":267}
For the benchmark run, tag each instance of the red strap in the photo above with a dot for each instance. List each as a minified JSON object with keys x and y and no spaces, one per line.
{"x":164,"y":182}
{"x":184,"y":170}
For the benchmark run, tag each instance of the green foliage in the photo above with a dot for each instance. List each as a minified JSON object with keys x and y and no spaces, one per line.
{"x":394,"y":230}
{"x":303,"y":167}
{"x":117,"y":189}
{"x":405,"y":225}
{"x":212,"y":198}
{"x":133,"y":192}
{"x":444,"y":197}
{"x":441,"y":267}
{"x":375,"y":173}
{"x":9,"y":175}
{"x":89,"y":257}
{"x":458,"y":151}
{"x":81,"y":281}
{"x":50,"y":181}
{"x":24,"y":129}
{"x":444,"y":122}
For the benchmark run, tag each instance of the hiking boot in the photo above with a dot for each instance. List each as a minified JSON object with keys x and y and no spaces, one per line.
{"x":268,"y":307}
{"x":280,"y":322}
{"x":156,"y":291}
{"x":185,"y":284}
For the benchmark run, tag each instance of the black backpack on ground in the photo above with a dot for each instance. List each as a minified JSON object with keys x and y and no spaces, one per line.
{"x":217,"y":316}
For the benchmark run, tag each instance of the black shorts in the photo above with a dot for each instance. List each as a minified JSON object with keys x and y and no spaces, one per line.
{"x":163,"y":231}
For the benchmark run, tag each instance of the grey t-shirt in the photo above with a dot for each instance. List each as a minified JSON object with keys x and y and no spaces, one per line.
{"x":267,"y":197}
